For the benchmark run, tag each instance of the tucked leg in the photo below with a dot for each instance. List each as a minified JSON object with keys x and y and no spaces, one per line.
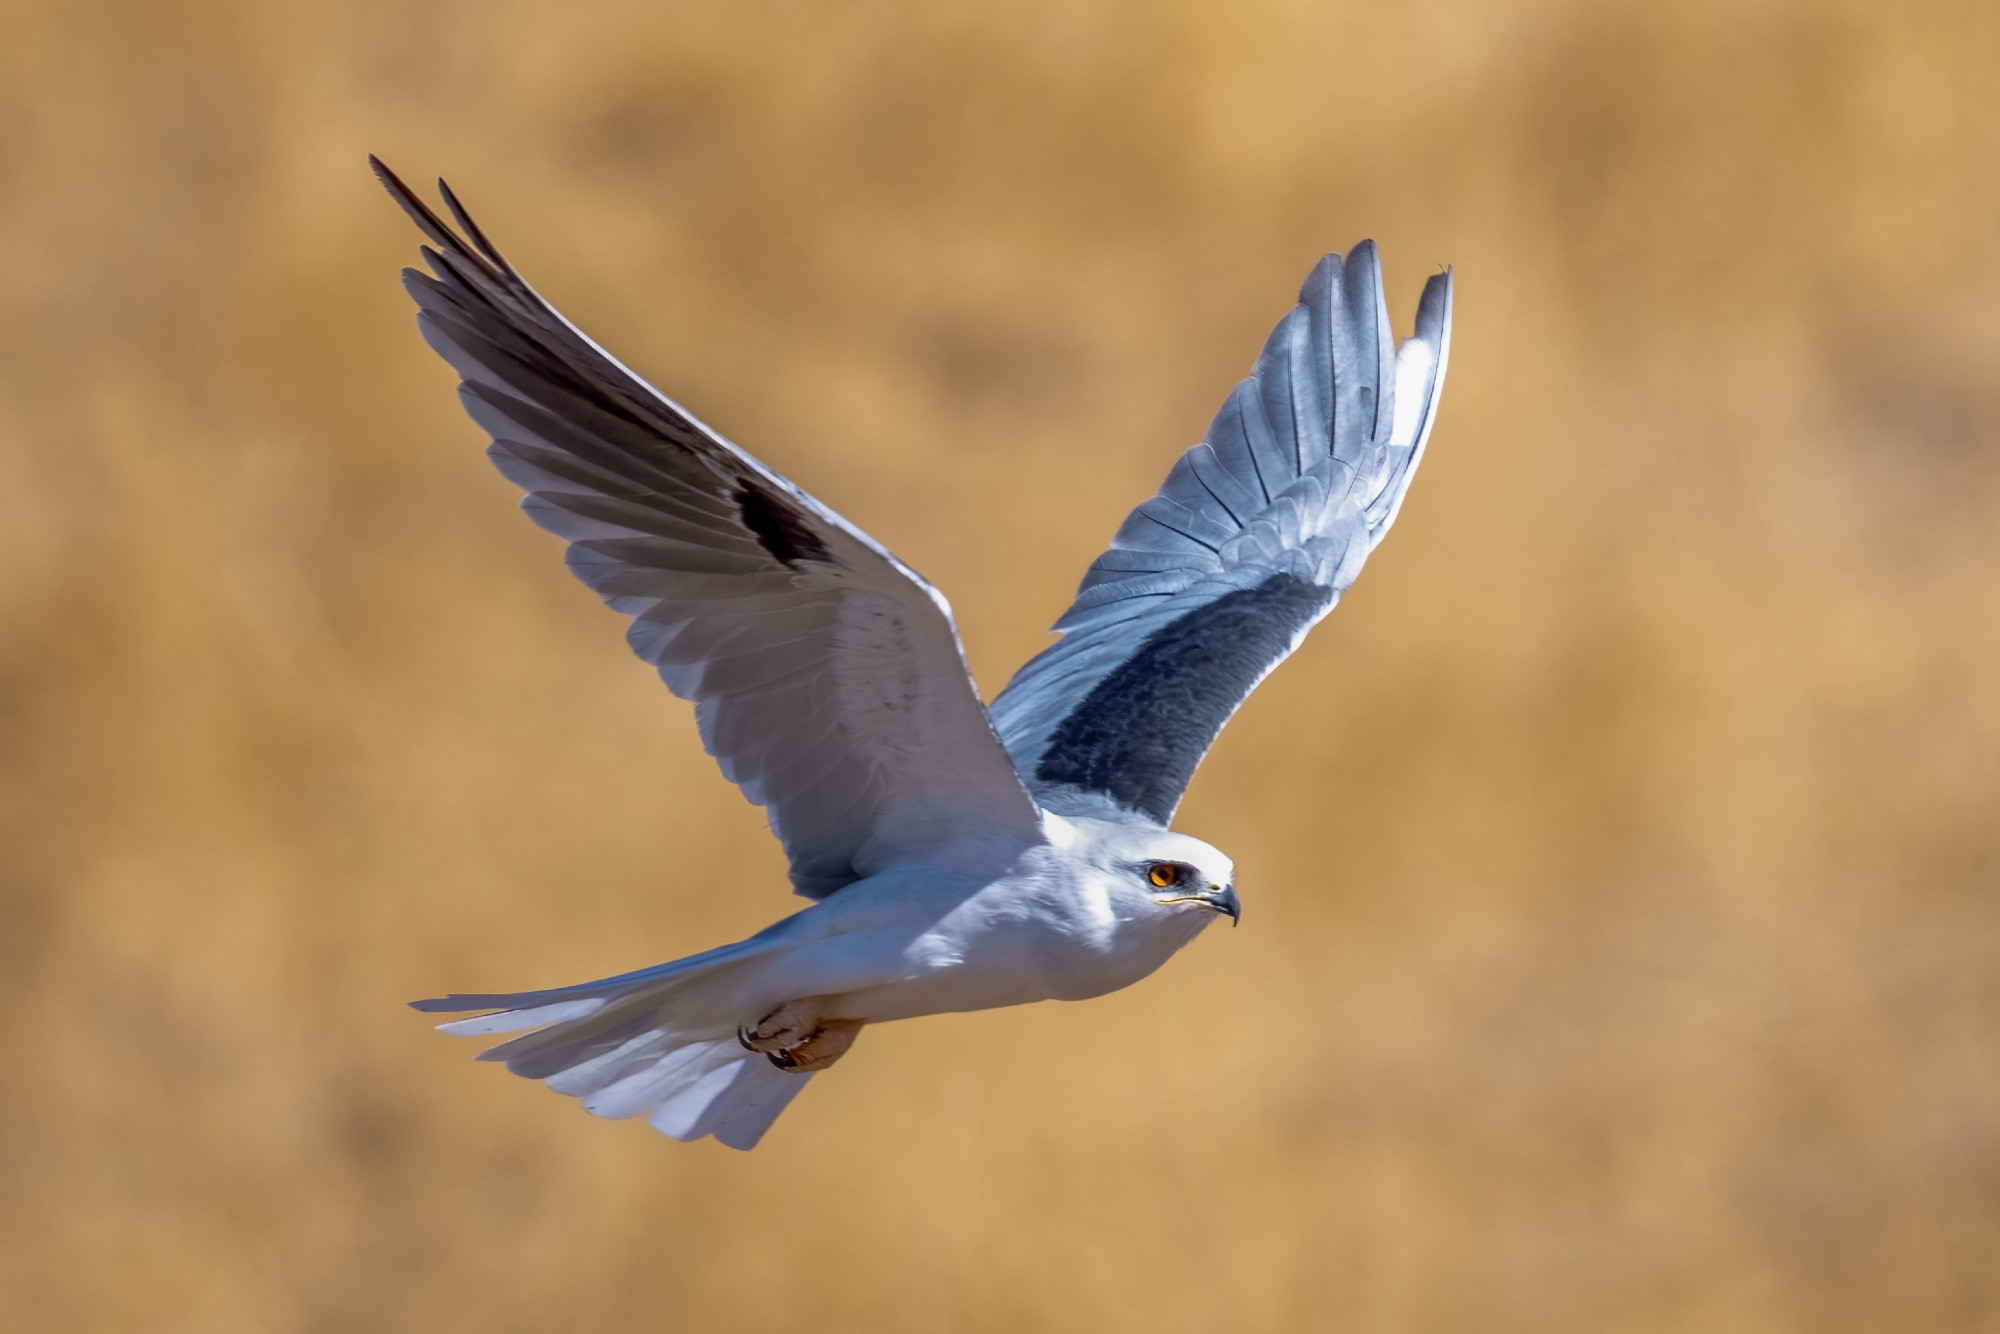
{"x":827,"y":1044}
{"x":796,"y":1038}
{"x":787,"y":1026}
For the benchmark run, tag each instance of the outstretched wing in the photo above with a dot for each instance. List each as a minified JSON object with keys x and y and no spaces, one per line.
{"x":1258,"y":529}
{"x":827,"y":677}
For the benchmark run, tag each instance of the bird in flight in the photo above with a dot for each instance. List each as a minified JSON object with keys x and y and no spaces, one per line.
{"x":958,"y":856}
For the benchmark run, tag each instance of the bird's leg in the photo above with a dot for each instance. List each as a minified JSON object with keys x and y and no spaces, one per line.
{"x":794,"y":1036}
{"x":787,"y":1026}
{"x":828,"y":1044}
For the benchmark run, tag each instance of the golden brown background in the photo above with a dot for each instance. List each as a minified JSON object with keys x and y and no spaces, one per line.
{"x":1622,"y":949}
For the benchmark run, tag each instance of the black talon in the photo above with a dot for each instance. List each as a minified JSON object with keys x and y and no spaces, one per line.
{"x":743,"y":1036}
{"x":784,"y":1060}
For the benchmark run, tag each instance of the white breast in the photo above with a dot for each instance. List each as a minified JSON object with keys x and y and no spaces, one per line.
{"x":1052,"y":929}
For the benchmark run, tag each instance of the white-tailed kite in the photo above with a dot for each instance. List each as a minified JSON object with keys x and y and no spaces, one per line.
{"x":959,"y":857}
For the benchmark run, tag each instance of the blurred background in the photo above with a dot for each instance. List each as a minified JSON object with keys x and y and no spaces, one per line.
{"x":1622,"y":869}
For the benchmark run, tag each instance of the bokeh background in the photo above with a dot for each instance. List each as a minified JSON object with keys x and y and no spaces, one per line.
{"x":1622,"y":864}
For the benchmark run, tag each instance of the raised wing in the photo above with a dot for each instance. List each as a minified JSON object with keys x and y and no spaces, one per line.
{"x":1258,"y":529}
{"x":827,"y":677}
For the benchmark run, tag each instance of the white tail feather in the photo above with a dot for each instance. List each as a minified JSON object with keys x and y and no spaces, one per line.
{"x":682,"y":1114}
{"x":645,"y":1088}
{"x":752,"y":1102}
{"x":586,"y":1077}
{"x":683,"y":1069}
{"x":519,"y":1021}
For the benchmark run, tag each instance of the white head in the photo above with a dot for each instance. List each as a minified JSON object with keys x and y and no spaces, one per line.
{"x":1153,"y":873}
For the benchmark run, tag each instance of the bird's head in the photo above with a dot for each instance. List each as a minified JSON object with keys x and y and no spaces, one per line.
{"x":1179,"y":881}
{"x":1157,"y":870}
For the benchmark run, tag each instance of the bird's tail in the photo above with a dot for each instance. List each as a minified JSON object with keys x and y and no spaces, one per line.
{"x":660,"y":1043}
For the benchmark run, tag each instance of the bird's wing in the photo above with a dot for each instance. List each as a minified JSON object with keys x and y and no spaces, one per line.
{"x":827,"y":677}
{"x":1258,"y":529}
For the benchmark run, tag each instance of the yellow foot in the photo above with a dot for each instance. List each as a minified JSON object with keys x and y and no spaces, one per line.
{"x":794,"y":1037}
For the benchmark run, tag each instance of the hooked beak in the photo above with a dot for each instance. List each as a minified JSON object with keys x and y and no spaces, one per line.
{"x":1222,"y":900}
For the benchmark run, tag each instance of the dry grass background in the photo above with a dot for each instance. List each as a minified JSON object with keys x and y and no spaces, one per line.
{"x":1622,"y":949}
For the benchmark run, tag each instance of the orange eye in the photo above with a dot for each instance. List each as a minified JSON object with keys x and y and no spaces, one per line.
{"x":1164,"y":875}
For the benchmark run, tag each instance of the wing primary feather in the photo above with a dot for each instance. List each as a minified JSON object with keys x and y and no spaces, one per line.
{"x":1250,"y":540}
{"x":1213,"y":495}
{"x":420,"y":213}
{"x":737,"y":582}
{"x":472,"y":231}
{"x":1177,"y":531}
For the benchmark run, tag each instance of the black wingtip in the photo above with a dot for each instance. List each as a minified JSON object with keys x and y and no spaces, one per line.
{"x":473,"y":246}
{"x":472,"y":231}
{"x":420,"y":213}
{"x":457,"y":1003}
{"x":393,"y":183}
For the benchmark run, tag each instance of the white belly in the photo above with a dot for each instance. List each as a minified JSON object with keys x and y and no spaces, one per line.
{"x":897,"y":950}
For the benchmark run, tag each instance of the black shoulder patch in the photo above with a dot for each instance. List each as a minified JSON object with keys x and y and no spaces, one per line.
{"x":1139,"y":735}
{"x":779,"y":527}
